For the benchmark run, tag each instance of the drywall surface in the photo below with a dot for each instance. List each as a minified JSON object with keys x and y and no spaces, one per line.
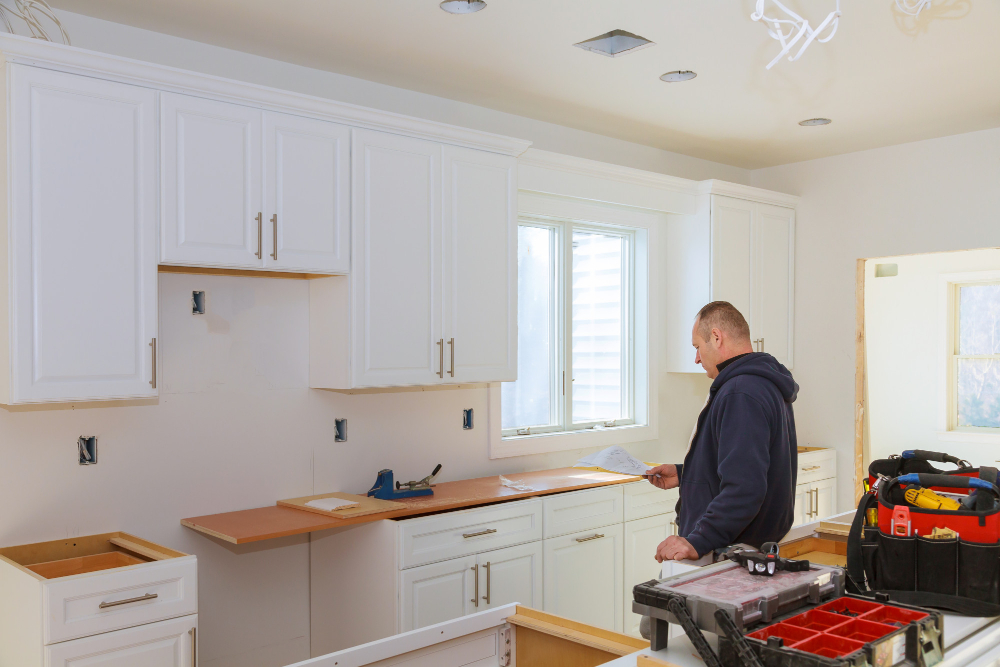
{"x":926,"y":196}
{"x":906,"y":316}
{"x":95,"y":34}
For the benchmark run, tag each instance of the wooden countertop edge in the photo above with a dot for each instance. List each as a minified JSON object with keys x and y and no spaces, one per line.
{"x":329,"y":523}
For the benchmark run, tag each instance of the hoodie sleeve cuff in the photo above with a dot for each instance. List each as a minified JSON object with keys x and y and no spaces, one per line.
{"x":680,"y":471}
{"x":699,"y":543}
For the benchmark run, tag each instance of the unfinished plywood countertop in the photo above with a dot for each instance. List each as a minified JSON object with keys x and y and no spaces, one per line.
{"x":265,"y":523}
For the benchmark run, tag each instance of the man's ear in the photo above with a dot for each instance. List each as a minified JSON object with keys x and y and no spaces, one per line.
{"x":717,"y":338}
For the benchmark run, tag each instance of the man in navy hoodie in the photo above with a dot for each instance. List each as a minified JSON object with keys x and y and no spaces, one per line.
{"x":737,"y":482}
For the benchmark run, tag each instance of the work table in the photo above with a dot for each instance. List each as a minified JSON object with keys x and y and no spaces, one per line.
{"x":265,"y":523}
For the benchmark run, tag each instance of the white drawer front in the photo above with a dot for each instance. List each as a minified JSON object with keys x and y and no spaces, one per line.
{"x":73,"y":605}
{"x":583,"y":510}
{"x":817,"y":465}
{"x":170,"y":643}
{"x":642,"y":500}
{"x":443,"y":536}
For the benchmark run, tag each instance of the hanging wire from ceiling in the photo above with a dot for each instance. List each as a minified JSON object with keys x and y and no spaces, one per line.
{"x":912,"y":7}
{"x":32,"y":12}
{"x":789,"y":31}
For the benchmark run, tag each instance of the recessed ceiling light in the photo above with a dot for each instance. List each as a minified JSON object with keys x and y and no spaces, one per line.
{"x":679,"y":75}
{"x":614,"y":43}
{"x":815,"y":121}
{"x":462,"y":6}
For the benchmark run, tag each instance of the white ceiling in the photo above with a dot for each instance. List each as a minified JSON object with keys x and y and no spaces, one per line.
{"x":883,"y":79}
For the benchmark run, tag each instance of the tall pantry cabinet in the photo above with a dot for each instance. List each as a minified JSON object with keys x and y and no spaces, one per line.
{"x":735,"y":249}
{"x":78,"y":296}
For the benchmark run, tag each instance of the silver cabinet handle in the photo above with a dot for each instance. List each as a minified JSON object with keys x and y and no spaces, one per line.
{"x":587,"y":539}
{"x":152,"y":382}
{"x":451,"y":344}
{"x":118,"y":603}
{"x":816,"y":510}
{"x":194,"y":646}
{"x":475,"y":598}
{"x":488,"y":531}
{"x":487,"y":597}
{"x":811,"y":468}
{"x":260,"y":234}
{"x":440,"y":373}
{"x":274,"y":221}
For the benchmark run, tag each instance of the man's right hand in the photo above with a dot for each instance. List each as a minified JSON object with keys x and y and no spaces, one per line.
{"x":664,"y":476}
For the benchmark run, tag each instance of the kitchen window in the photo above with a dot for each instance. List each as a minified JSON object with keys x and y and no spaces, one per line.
{"x":577,"y":323}
{"x":975,"y":367}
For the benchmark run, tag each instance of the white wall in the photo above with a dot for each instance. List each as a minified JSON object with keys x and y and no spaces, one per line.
{"x":940,"y":194}
{"x":905,"y":320}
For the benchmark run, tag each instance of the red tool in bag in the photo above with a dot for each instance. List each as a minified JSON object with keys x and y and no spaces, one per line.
{"x":899,"y":557}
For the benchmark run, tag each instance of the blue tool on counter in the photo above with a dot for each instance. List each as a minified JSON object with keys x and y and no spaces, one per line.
{"x":385,"y":490}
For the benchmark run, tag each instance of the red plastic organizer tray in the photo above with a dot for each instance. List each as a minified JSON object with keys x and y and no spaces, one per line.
{"x":838,"y":628}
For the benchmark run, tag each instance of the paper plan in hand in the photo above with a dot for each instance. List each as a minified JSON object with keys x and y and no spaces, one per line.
{"x":615,"y":459}
{"x":330,"y":504}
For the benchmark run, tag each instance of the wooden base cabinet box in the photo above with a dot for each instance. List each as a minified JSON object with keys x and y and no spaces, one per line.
{"x":111,"y":599}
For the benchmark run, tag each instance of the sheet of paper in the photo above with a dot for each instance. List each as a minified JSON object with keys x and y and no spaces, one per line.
{"x":615,"y":459}
{"x":330,"y":504}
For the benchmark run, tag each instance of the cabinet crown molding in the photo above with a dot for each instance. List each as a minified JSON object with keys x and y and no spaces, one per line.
{"x":760,"y":195}
{"x":39,"y":53}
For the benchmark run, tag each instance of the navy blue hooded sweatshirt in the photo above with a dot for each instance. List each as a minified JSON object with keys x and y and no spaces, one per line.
{"x":737,"y":483}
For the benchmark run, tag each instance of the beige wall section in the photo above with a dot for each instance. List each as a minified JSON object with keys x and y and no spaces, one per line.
{"x":927,"y":196}
{"x":905,"y":317}
{"x":98,"y":35}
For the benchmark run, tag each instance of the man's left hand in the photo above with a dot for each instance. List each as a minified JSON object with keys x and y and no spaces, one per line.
{"x":675,"y":548}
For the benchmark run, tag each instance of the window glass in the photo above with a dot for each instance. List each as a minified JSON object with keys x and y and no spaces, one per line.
{"x":978,"y":381}
{"x":528,"y":402}
{"x":979,"y":320}
{"x":597,"y":323}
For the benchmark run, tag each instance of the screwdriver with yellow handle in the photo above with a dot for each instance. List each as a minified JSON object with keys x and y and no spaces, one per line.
{"x":929,"y":500}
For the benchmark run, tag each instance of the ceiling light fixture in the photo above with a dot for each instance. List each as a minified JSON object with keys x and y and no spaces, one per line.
{"x":463,"y":6}
{"x":679,"y":75}
{"x":614,"y":43}
{"x":811,"y":122}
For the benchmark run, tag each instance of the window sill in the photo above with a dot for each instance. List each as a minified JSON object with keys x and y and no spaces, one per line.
{"x":543,"y":443}
{"x":984,"y":437}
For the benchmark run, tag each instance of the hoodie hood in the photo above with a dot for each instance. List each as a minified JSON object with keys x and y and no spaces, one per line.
{"x":763,"y":365}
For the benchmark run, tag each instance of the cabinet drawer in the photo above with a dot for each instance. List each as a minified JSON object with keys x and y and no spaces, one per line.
{"x":149,"y":592}
{"x":817,"y":464}
{"x":170,"y":643}
{"x":583,"y":510}
{"x":642,"y":500}
{"x":456,"y":534}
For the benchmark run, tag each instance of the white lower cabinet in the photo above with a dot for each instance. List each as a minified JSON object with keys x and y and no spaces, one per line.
{"x":584,"y":576}
{"x":642,"y":537}
{"x":172,"y":643}
{"x":510,"y":575}
{"x":816,"y":492}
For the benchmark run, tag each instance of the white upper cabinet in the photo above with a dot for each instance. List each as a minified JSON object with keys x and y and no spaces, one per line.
{"x":736,"y":250}
{"x":306,"y":194}
{"x":397,"y":261}
{"x":81,"y":268}
{"x":210,"y":168}
{"x":480,"y":232}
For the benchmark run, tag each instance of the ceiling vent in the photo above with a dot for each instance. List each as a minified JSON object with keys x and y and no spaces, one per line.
{"x":615,"y":43}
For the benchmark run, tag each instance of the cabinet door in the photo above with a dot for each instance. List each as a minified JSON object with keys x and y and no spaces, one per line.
{"x":511,"y":575}
{"x":775,"y":277}
{"x":732,"y":254}
{"x":396,"y":259}
{"x":210,"y":155}
{"x":307,"y":207}
{"x":584,"y":576}
{"x":83,"y":237}
{"x":171,"y":643}
{"x":480,"y":226}
{"x":803,"y":504}
{"x":642,"y":537}
{"x":438,"y":592}
{"x":825,"y":498}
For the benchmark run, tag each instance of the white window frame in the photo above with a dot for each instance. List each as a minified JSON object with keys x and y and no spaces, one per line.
{"x":949,"y":430}
{"x":642,"y":229}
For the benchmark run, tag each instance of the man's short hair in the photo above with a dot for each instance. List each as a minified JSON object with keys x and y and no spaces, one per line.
{"x":724,"y":316}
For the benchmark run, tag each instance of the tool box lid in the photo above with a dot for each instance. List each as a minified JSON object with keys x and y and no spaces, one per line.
{"x":749,"y":599}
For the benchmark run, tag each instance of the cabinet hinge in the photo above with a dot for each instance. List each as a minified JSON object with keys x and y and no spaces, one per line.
{"x":505,"y":648}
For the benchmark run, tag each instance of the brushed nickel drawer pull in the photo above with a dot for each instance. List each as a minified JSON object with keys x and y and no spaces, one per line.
{"x":475,"y":597}
{"x":451,"y":344}
{"x":440,"y":372}
{"x":142,"y":598}
{"x":811,"y":468}
{"x":592,"y":537}
{"x":274,"y":221}
{"x":488,"y":531}
{"x":152,"y":382}
{"x":260,"y":235}
{"x":487,"y":598}
{"x":194,"y":646}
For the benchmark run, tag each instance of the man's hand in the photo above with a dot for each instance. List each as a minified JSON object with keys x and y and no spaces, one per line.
{"x":664,"y":476}
{"x":675,"y":548}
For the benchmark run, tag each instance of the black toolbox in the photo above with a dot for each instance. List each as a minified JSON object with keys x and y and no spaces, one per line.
{"x":795,"y":619}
